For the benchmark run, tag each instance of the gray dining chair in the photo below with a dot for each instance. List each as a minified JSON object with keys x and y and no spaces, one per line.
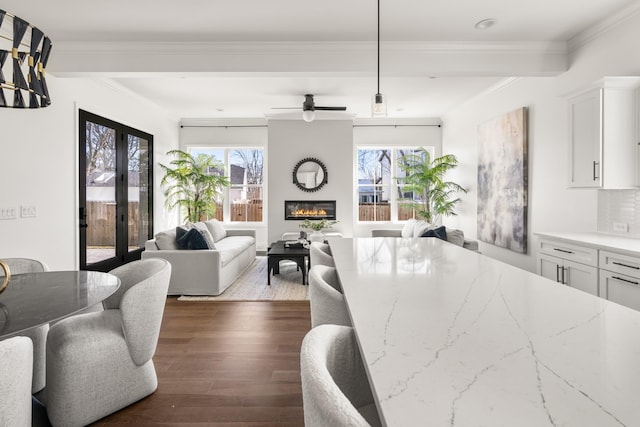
{"x":98,"y":363}
{"x":335,"y":389}
{"x":320,"y":254}
{"x":38,"y":335}
{"x":16,"y":359}
{"x":325,"y":297}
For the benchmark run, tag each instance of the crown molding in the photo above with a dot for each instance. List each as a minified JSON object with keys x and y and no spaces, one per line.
{"x":73,"y":59}
{"x":602,"y":27}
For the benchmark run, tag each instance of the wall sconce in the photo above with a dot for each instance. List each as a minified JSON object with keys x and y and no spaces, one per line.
{"x":24,"y":52}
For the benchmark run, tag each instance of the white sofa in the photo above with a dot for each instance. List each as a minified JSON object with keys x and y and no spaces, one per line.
{"x":415,"y":228}
{"x":205,"y":271}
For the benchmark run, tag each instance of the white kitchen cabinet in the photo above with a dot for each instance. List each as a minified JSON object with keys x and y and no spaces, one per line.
{"x":569,"y":264}
{"x":603,"y":136}
{"x":620,"y":278}
{"x":570,"y":273}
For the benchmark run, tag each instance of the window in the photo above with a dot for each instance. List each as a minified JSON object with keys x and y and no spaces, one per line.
{"x":380,"y":193}
{"x":242,"y":201}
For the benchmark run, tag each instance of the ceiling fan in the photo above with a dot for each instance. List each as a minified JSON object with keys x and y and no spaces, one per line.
{"x":309,"y":107}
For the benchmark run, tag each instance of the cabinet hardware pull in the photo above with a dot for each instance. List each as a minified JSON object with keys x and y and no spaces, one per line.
{"x":564,"y":269}
{"x":563,"y":250}
{"x":625,"y":280}
{"x":625,"y":265}
{"x":595,"y":167}
{"x":557,"y":273}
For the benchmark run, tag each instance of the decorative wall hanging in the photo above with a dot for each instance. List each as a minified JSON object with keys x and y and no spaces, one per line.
{"x":24,"y":52}
{"x":502,"y":181}
{"x":310,"y":174}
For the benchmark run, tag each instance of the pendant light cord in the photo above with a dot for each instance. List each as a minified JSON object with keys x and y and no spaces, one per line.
{"x":378,"y":46}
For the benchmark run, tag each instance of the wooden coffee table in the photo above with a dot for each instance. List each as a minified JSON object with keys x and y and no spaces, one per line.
{"x":278,"y":252}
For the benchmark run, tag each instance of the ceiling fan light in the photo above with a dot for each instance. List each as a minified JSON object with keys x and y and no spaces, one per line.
{"x":308,"y":115}
{"x":379,"y":105}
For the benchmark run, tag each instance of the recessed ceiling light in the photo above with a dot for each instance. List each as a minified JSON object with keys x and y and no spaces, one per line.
{"x":485,"y":24}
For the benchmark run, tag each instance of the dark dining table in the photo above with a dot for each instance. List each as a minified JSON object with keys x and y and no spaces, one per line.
{"x":34,"y":299}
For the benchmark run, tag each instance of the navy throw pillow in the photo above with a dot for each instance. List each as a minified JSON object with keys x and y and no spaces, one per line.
{"x":440,"y":233}
{"x":190,"y":239}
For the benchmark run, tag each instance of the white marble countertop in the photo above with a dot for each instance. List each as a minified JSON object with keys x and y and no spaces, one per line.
{"x":453,"y":338}
{"x":612,"y":242}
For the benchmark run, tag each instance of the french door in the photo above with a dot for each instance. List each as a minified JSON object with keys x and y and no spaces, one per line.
{"x":116,"y":192}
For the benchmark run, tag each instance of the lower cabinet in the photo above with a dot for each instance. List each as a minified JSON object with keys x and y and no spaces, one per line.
{"x":570,"y":273}
{"x":616,"y":287}
{"x":620,"y":278}
{"x":600,"y":272}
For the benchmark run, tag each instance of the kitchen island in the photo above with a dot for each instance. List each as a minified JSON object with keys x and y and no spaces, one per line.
{"x":454,"y":338}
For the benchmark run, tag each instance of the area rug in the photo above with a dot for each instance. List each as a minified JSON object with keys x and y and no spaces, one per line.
{"x":252,"y":285}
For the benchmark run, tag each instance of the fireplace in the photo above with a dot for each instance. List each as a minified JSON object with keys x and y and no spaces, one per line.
{"x":309,"y":209}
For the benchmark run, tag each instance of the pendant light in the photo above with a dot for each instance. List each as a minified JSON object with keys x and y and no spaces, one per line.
{"x":379,"y":102}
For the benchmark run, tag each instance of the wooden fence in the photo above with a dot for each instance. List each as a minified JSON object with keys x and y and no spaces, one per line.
{"x":101,"y":217}
{"x":382,"y":212}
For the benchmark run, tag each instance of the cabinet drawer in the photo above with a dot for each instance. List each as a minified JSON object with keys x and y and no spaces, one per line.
{"x":618,"y":263}
{"x":574,"y":253}
{"x":625,"y":290}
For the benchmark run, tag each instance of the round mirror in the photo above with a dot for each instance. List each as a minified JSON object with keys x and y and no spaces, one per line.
{"x":310,"y":174}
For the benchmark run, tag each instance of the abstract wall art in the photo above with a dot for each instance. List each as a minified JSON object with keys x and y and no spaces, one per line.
{"x":502,"y":181}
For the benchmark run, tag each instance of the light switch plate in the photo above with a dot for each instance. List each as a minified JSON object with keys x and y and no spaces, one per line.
{"x":8,"y":213}
{"x":27,"y":211}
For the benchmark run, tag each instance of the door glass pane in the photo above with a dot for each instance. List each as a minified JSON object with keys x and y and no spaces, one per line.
{"x":138,"y":192}
{"x":101,"y":192}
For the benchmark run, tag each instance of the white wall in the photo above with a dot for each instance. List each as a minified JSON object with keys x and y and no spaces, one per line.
{"x":331,"y":142}
{"x":552,"y":206}
{"x":39,"y":165}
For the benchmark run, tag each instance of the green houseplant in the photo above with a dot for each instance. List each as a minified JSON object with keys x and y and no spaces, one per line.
{"x":318,"y":225}
{"x":433,"y":197}
{"x":193,"y":184}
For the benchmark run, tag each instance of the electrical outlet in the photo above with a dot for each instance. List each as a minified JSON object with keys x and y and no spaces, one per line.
{"x":8,"y":213}
{"x":620,"y":226}
{"x":27,"y":211}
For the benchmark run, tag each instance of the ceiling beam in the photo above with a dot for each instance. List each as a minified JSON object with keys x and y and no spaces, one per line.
{"x":397,"y":58}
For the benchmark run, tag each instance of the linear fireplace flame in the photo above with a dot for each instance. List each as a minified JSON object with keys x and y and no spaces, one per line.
{"x":309,"y":209}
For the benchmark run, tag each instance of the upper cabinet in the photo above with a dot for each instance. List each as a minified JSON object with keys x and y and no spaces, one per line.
{"x":603,"y":135}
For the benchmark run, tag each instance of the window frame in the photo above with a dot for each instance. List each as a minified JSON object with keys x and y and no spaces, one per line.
{"x":226,"y":202}
{"x":393,"y":182}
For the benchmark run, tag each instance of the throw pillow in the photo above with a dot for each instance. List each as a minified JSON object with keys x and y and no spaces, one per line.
{"x":192,"y":239}
{"x":440,"y":233}
{"x":216,"y":229}
{"x":166,"y":240}
{"x":206,"y":233}
{"x":455,"y":236}
{"x":420,"y":227}
{"x":409,"y":227}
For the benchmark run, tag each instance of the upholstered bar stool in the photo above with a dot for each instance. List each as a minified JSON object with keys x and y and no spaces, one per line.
{"x":325,"y":297}
{"x":320,"y":254}
{"x":335,"y":389}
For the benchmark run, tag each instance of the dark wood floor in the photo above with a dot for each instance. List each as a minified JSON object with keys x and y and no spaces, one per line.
{"x":225,"y":364}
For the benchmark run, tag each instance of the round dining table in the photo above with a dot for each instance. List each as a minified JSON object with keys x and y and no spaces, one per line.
{"x":34,"y":299}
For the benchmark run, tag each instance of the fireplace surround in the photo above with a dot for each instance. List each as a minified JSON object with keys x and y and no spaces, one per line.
{"x":309,"y":209}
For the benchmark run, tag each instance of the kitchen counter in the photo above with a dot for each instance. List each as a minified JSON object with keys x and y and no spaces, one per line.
{"x":450,"y":337}
{"x":628,"y":245}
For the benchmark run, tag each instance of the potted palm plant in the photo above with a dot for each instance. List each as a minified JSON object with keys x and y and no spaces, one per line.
{"x":433,"y":197}
{"x":193,"y":183}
